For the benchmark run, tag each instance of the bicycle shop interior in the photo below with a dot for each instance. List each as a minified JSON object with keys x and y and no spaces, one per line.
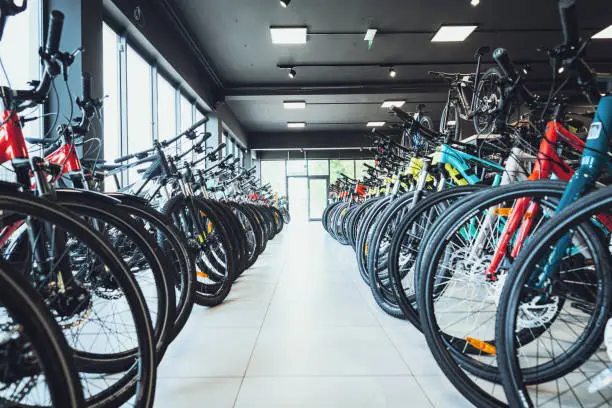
{"x":295,"y":203}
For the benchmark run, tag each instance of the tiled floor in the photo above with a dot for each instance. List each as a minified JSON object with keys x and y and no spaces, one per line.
{"x":300,"y":330}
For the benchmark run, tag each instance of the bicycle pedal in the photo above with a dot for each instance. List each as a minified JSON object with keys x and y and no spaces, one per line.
{"x":481,"y":345}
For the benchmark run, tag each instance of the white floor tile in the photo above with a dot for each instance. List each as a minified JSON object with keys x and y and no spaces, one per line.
{"x":331,"y":392}
{"x":197,"y":392}
{"x":208,"y":352}
{"x":441,"y":392}
{"x":299,"y":350}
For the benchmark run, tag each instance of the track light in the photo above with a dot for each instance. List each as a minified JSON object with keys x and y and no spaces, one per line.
{"x":285,"y":3}
{"x":292,"y":73}
{"x":392,"y":72}
{"x":475,"y":2}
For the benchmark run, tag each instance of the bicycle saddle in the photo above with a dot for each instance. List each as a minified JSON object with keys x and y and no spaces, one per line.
{"x":484,"y":50}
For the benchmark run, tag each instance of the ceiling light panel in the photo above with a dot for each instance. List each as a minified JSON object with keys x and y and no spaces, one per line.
{"x":294,"y":104}
{"x":376,"y":124}
{"x":390,"y":104}
{"x":604,"y":34}
{"x":453,"y":33}
{"x":296,"y":125}
{"x":288,"y":35}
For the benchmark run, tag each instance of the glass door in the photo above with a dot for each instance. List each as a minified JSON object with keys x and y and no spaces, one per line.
{"x":297,"y":194}
{"x":317,"y":196}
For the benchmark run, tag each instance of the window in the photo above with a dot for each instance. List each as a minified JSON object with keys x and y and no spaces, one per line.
{"x":296,"y":167}
{"x":166,"y":114}
{"x":198,"y":116}
{"x":140,"y":131}
{"x":19,"y":53}
{"x":337,"y":167}
{"x":360,"y":169}
{"x":186,"y":120}
{"x":186,"y":114}
{"x":112,"y":142}
{"x":139,"y":120}
{"x":273,"y":172}
{"x":318,"y":168}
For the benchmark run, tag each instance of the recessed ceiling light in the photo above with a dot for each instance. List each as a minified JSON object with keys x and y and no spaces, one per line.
{"x":392,"y":72}
{"x":296,"y":125}
{"x":475,"y":2}
{"x":604,"y":34}
{"x":285,"y":3}
{"x":376,"y":124}
{"x":390,"y":104}
{"x":288,"y":35}
{"x":453,"y":33}
{"x":294,"y":104}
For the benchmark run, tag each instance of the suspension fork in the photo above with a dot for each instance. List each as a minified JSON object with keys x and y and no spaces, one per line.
{"x":42,"y":234}
{"x":511,"y":172}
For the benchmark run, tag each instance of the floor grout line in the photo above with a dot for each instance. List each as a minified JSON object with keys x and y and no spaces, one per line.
{"x":283,"y":266}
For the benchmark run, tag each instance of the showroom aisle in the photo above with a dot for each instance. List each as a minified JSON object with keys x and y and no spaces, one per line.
{"x":299,"y":330}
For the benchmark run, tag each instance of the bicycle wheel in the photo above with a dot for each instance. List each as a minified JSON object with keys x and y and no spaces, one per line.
{"x":207,"y":236}
{"x":174,"y":250}
{"x":450,"y":122}
{"x":85,"y":265}
{"x":458,"y":303}
{"x":36,"y":365}
{"x":566,"y":372}
{"x":379,"y":241}
{"x":487,"y":101}
{"x":139,"y":251}
{"x":409,"y":239}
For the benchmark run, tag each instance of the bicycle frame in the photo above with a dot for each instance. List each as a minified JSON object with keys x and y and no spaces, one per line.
{"x":595,"y":157}
{"x":521,"y":217}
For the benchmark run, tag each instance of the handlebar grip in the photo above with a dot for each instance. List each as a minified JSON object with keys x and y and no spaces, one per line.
{"x":401,"y":114}
{"x":217,"y":150}
{"x":502,"y":58}
{"x":197,"y":124}
{"x":86,"y":78}
{"x":124,"y":158}
{"x":569,"y":21}
{"x":56,"y":24}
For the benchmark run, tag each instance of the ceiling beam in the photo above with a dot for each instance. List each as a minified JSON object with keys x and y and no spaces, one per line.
{"x":235,"y":92}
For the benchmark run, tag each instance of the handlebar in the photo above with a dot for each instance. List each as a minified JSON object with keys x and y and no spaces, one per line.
{"x":56,"y":24}
{"x":86,"y":80}
{"x":502,"y":59}
{"x":569,"y":22}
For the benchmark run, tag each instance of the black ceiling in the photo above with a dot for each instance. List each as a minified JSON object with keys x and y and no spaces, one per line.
{"x":235,"y":35}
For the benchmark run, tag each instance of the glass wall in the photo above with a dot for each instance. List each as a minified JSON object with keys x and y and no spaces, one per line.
{"x":166,"y":114}
{"x":112,"y":147}
{"x":19,"y":54}
{"x":315,"y":167}
{"x":360,"y":169}
{"x":273,"y":172}
{"x":296,"y":168}
{"x":337,"y":167}
{"x":175,"y":112}
{"x":318,"y":167}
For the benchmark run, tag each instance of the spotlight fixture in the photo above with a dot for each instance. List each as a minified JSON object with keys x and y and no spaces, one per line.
{"x":453,"y":33}
{"x":604,"y":34}
{"x":392,"y":72}
{"x":294,"y":104}
{"x":284,"y":3}
{"x":475,"y":2}
{"x":292,"y":73}
{"x":375,"y":124}
{"x":390,"y":104}
{"x":296,"y":125}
